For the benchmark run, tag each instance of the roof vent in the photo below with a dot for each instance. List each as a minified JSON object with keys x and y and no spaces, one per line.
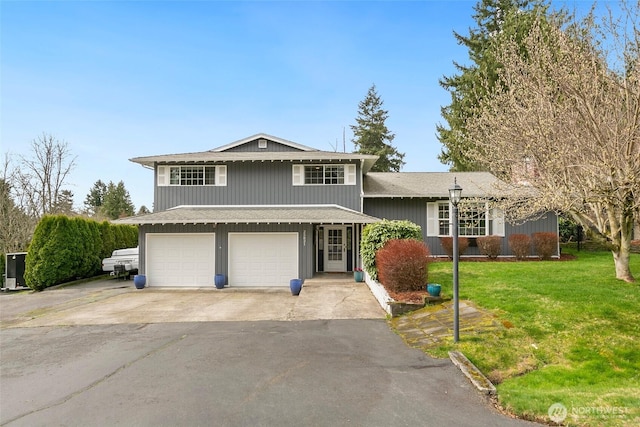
{"x":262,"y":143}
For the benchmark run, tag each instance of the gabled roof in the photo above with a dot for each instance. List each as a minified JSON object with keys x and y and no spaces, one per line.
{"x":264,"y":136}
{"x":264,"y":214}
{"x":220,"y":155}
{"x":428,"y":184}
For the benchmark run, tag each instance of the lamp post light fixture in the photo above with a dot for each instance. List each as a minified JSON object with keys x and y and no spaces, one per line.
{"x":455,"y":194}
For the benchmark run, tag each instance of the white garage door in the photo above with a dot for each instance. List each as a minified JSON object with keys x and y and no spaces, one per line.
{"x":262,"y":259}
{"x":180,"y":259}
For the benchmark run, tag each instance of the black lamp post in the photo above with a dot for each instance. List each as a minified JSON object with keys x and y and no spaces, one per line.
{"x":455,"y":193}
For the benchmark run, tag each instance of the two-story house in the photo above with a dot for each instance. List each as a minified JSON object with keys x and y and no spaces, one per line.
{"x":264,"y":210}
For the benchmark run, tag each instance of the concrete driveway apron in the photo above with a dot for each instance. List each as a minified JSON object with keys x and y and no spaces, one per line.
{"x":113,"y":302}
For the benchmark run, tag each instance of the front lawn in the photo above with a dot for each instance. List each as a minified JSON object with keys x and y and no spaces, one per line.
{"x":571,"y":335}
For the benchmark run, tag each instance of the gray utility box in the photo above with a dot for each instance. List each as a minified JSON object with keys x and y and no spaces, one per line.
{"x":15,"y":270}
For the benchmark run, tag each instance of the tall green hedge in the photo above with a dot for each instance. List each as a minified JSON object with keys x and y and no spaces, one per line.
{"x":64,"y":249}
{"x":375,"y":235}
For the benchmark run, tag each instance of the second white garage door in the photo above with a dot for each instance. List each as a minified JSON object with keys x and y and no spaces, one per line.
{"x":180,"y":259}
{"x":262,"y":259}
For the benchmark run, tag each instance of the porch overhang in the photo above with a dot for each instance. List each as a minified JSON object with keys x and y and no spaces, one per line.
{"x":240,"y":214}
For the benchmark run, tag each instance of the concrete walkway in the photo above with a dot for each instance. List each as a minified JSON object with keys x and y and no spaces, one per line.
{"x":118,"y":302}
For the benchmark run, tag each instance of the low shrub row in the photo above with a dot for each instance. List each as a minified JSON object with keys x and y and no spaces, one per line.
{"x":64,"y":249}
{"x":490,"y":246}
{"x":544,"y":245}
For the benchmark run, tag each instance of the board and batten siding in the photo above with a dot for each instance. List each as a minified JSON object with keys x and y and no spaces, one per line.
{"x":259,"y":183}
{"x":415,"y":210}
{"x":306,"y":265}
{"x":252,"y":147}
{"x":548,"y":223}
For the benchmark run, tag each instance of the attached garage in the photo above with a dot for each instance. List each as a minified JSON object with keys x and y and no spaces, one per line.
{"x":262,"y":259}
{"x":180,"y":259}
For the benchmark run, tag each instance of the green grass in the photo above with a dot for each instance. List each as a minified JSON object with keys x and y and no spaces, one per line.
{"x":572,"y":335}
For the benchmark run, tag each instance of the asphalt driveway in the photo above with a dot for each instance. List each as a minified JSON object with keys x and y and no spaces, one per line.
{"x":60,"y":367}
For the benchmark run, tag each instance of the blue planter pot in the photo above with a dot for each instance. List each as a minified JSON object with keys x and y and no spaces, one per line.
{"x":434,"y":289}
{"x":296,"y":286}
{"x":219,"y":280}
{"x":140,"y":280}
{"x":358,"y":276}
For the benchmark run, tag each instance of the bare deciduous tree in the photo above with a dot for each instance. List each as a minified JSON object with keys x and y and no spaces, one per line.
{"x":42,"y":176}
{"x":565,"y":132}
{"x":16,"y":227}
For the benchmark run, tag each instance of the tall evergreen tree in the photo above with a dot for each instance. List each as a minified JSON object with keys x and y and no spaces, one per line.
{"x":117,"y":201}
{"x":95,"y":198}
{"x":371,"y":135}
{"x":466,"y":89}
{"x":64,"y":203}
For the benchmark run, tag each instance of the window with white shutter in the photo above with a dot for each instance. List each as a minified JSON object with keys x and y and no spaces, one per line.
{"x":331,"y":174}
{"x":192,"y":175}
{"x":497,"y":222}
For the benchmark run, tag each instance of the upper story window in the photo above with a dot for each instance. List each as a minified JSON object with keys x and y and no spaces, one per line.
{"x":324,"y":174}
{"x":473,"y":220}
{"x":192,"y":175}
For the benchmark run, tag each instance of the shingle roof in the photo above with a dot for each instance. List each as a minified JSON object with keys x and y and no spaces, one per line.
{"x":427,"y":184}
{"x":276,"y":214}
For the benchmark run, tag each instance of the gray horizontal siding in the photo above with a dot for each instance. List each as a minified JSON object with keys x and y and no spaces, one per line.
{"x":415,"y":210}
{"x":259,"y":183}
{"x":305,"y":246}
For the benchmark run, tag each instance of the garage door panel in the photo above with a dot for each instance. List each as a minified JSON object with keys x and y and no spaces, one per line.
{"x":262,"y":259}
{"x":181,"y":259}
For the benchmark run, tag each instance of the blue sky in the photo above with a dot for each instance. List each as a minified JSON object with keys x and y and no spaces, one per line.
{"x":118,"y":79}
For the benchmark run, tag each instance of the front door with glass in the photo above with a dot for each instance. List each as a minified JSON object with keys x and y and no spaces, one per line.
{"x":335,"y":249}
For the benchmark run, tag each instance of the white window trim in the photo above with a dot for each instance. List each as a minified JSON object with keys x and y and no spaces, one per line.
{"x":164,"y":176}
{"x":495,"y":224}
{"x":350,"y":176}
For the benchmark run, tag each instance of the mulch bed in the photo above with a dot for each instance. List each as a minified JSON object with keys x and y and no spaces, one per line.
{"x":416,"y":297}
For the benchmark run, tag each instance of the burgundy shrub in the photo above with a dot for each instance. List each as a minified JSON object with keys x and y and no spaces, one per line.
{"x":545,"y":244}
{"x":520,"y":245}
{"x":403,"y":265}
{"x":490,"y":246}
{"x":447,"y":245}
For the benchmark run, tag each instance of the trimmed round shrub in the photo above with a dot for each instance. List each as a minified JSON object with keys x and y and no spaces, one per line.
{"x":545,"y":244}
{"x":403,"y":265}
{"x":520,"y":245}
{"x":491,"y":246}
{"x":375,"y":235}
{"x":447,"y":245}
